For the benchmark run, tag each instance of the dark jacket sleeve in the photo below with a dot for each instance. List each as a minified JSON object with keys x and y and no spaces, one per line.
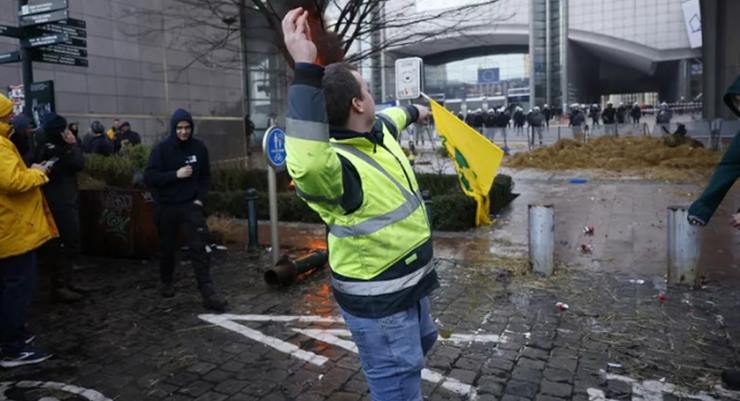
{"x":724,"y":176}
{"x":155,"y":175}
{"x":73,"y":161}
{"x":204,"y":176}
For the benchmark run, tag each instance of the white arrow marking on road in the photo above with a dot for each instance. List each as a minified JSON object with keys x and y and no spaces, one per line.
{"x":88,"y":394}
{"x":653,"y":390}
{"x":334,"y":337}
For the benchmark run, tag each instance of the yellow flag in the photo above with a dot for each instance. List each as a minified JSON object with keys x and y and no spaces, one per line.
{"x":476,"y":158}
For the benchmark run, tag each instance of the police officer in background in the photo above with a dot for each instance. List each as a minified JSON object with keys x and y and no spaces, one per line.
{"x":179,"y":174}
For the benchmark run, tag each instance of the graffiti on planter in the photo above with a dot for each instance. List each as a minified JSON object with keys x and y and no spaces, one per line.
{"x":36,"y":390}
{"x":115,"y":217}
{"x":117,"y":201}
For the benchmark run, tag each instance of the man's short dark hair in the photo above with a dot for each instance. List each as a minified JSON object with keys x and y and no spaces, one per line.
{"x":340,"y":87}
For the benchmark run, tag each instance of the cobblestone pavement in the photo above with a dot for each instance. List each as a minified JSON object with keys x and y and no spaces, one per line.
{"x":502,"y":338}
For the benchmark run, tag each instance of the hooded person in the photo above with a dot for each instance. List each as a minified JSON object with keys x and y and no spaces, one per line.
{"x":97,"y":142}
{"x":26,"y":223}
{"x":725,"y":174}
{"x":723,"y":178}
{"x":178,"y":172}
{"x":127,"y":136}
{"x":22,"y":137}
{"x":58,"y":144}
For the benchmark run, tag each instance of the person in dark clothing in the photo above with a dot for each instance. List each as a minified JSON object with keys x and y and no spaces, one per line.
{"x":621,"y":113}
{"x":23,"y":137}
{"x":547,"y":113}
{"x":636,"y":113}
{"x":248,"y":131}
{"x":127,"y":137}
{"x":179,"y":174}
{"x":723,"y":178}
{"x":519,"y":120}
{"x":577,"y":121}
{"x":490,"y":124}
{"x":477,"y":120}
{"x":97,"y":142}
{"x":58,"y":143}
{"x":74,"y":128}
{"x":594,"y":112}
{"x":609,"y":114}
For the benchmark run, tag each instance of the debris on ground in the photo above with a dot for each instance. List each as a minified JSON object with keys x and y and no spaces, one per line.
{"x":562,"y":306}
{"x":588,"y":230}
{"x":644,"y":155}
{"x":586,"y":249}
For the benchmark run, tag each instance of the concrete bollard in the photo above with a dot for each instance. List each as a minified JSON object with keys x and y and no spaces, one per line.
{"x":683,"y":247}
{"x":542,"y":239}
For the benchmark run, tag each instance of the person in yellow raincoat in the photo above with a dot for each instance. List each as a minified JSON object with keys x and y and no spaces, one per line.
{"x":25,"y":224}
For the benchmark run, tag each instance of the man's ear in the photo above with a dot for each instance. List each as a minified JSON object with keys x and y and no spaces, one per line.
{"x":357,"y":105}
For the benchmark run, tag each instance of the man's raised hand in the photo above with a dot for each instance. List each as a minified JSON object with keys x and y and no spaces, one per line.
{"x":297,"y":36}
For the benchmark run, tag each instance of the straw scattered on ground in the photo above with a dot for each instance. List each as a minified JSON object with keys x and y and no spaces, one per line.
{"x":638,"y":155}
{"x":228,"y":228}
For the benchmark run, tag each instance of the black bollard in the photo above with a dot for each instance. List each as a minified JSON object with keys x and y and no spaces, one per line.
{"x":285,"y":272}
{"x":253,"y":241}
{"x":427,"y":197}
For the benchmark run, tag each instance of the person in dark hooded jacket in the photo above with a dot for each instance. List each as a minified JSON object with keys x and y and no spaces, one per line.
{"x":57,"y":143}
{"x":723,"y":178}
{"x":178,"y":172}
{"x":97,"y":142}
{"x":22,"y":139}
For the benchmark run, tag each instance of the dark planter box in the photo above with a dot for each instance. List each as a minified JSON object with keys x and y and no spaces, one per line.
{"x":118,"y":223}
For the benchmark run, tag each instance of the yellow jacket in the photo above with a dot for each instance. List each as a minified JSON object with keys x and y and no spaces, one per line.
{"x":25,"y":219}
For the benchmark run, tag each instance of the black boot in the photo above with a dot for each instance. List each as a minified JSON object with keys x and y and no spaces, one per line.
{"x":66,"y":295}
{"x":731,"y":379}
{"x":212,"y":301}
{"x":166,"y":290}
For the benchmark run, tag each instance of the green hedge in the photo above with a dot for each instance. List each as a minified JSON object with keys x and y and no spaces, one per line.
{"x":451,"y":209}
{"x":122,"y":169}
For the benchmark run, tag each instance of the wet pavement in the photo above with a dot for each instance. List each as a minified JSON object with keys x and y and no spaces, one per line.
{"x":624,"y":335}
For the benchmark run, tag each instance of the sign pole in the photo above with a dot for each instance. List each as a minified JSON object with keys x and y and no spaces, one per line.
{"x":272,"y":189}
{"x":27,"y":69}
{"x":273,"y":147}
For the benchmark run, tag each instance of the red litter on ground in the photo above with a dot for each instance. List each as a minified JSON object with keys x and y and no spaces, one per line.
{"x":586,"y":248}
{"x":588,"y":230}
{"x":662,"y":298}
{"x":562,"y":306}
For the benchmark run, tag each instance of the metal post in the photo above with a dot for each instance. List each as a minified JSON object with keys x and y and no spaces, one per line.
{"x":27,"y":70}
{"x":252,"y":227}
{"x":541,"y":239}
{"x":683,"y":247}
{"x":245,"y":68}
{"x":272,"y":189}
{"x":427,"y":197}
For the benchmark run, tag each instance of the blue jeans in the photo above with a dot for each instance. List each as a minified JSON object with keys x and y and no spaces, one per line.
{"x":17,"y":282}
{"x":392,"y":350}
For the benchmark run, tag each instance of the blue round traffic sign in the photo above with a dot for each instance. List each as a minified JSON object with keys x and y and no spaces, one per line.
{"x":273,"y":146}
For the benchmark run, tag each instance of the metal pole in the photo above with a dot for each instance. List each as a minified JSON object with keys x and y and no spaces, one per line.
{"x":245,"y":69}
{"x":541,"y":239}
{"x":272,"y":189}
{"x":27,"y":70}
{"x":683,"y":247}
{"x":427,"y":197}
{"x":252,"y":227}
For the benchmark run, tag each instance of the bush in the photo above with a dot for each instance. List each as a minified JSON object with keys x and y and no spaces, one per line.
{"x":121,"y":169}
{"x":451,"y":209}
{"x":234,"y":203}
{"x":454,"y":212}
{"x":239,"y":179}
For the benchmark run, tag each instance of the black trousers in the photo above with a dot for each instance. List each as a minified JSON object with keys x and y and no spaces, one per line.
{"x":17,"y":282}
{"x":63,"y":252}
{"x":192,"y":219}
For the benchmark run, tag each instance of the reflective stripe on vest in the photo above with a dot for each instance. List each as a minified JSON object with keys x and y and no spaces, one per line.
{"x":316,"y":198}
{"x":377,"y":223}
{"x":310,"y":130}
{"x":372,"y":288}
